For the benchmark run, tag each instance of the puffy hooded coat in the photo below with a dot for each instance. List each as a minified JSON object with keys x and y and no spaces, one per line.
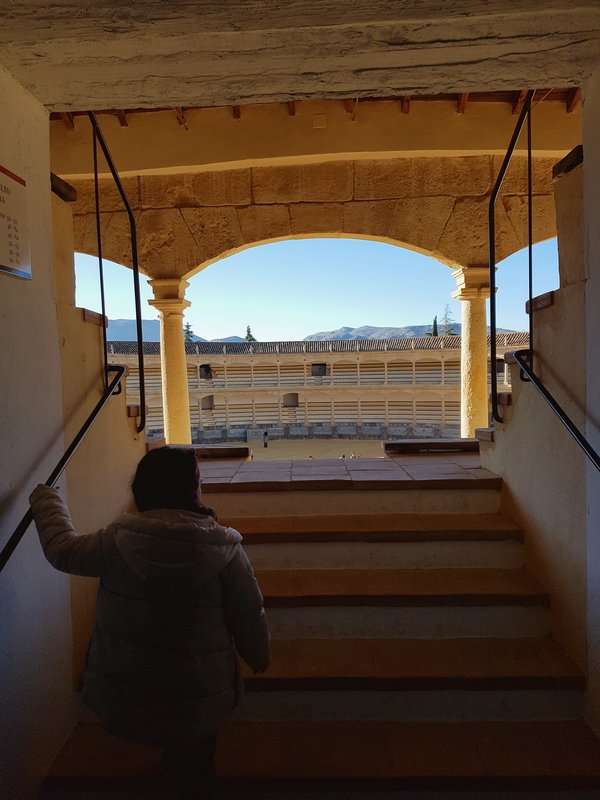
{"x":177,"y":598}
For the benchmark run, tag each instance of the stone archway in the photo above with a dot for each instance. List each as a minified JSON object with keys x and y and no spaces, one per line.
{"x":436,"y":205}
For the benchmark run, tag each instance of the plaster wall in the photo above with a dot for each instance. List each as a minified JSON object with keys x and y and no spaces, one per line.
{"x":591,"y":194}
{"x":267,"y":135}
{"x":99,"y":476}
{"x":542,"y":468}
{"x":36,"y":699}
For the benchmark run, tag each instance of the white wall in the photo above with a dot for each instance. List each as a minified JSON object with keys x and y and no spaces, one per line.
{"x":591,"y":188}
{"x":36,"y":699}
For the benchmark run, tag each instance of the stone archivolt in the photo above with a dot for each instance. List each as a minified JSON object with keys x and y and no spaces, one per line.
{"x":437,"y":206}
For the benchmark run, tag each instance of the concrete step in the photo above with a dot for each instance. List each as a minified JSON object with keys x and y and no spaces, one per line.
{"x":460,"y":679}
{"x":400,"y":587}
{"x":337,"y":756}
{"x":393,"y":603}
{"x":321,"y":499}
{"x":409,"y":541}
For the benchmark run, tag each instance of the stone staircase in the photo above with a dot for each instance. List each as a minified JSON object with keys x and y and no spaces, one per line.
{"x":412,"y":651}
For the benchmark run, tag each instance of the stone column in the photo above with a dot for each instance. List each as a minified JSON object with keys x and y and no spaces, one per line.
{"x":169,"y":299}
{"x":473,"y":290}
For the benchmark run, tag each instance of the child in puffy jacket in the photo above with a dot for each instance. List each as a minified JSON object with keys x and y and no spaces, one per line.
{"x":177,"y":600}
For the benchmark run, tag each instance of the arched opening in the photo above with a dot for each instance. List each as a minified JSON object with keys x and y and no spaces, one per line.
{"x":324,"y":315}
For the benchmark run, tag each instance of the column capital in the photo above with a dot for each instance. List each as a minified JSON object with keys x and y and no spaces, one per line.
{"x":169,"y":295}
{"x":473,"y":283}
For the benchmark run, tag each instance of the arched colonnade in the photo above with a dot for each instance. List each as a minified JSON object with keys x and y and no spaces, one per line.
{"x":435,"y":205}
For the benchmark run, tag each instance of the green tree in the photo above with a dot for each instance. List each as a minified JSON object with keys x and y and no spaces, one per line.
{"x":248,"y":337}
{"x":188,"y":333}
{"x":434,"y":328}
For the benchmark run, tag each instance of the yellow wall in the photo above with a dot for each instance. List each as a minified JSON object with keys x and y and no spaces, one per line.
{"x":99,"y":476}
{"x":542,"y":468}
{"x":36,"y":701}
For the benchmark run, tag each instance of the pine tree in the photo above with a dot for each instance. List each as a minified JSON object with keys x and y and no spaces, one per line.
{"x":248,"y":337}
{"x":188,"y":333}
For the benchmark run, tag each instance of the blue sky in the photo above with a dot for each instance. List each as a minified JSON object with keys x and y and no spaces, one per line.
{"x":290,"y":289}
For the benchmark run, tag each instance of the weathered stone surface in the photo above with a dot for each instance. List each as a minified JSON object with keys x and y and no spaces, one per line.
{"x":116,"y":236}
{"x":369,"y":218}
{"x":216,"y":230}
{"x":543,"y":217}
{"x":330,"y":182}
{"x":422,"y":177}
{"x":166,"y":246}
{"x":110,"y":199}
{"x":420,"y":224}
{"x":310,"y":218}
{"x":263,"y":223}
{"x":515,"y":180}
{"x":277,"y":184}
{"x":218,"y":188}
{"x":465,"y":237}
{"x":240,"y":52}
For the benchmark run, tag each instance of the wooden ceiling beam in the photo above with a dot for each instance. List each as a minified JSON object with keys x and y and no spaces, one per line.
{"x":461,"y":103}
{"x":573,"y":99}
{"x":518,"y":101}
{"x":68,"y":119}
{"x":181,"y":117}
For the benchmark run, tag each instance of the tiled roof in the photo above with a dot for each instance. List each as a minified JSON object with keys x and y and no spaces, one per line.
{"x":331,"y":346}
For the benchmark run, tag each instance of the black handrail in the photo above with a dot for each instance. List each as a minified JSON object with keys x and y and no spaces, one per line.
{"x":525,"y":112}
{"x":522,"y":359}
{"x":19,"y":532}
{"x":134,"y":263}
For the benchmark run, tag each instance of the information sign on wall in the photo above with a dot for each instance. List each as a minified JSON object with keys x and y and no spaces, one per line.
{"x":14,"y":232}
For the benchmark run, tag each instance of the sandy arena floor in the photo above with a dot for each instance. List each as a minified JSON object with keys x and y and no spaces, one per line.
{"x":317,"y":448}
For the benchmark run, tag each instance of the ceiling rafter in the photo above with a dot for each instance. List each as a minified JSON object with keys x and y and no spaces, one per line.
{"x":68,"y":119}
{"x":181,"y":117}
{"x":461,"y":103}
{"x":519,"y":101}
{"x":573,"y":99}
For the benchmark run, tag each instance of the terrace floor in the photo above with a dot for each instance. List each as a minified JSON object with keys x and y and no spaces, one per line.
{"x":404,"y":471}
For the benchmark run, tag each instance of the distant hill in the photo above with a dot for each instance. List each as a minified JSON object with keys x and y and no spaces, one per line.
{"x":124,"y":330}
{"x":371,"y":332}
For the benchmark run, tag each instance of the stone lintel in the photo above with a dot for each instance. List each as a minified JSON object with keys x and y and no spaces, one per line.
{"x":472,"y":282}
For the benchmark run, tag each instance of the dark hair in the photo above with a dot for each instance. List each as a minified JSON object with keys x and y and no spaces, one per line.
{"x":168,"y":477}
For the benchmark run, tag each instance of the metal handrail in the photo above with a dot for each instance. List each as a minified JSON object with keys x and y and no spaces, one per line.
{"x":521,"y":357}
{"x":525,"y":112}
{"x":98,"y":136}
{"x":19,"y":532}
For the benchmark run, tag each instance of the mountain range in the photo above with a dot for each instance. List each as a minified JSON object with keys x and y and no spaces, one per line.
{"x":124,"y":330}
